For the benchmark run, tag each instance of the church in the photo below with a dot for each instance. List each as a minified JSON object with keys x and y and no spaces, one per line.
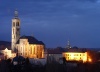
{"x":26,"y":46}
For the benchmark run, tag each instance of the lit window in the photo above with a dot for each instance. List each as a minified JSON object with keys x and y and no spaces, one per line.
{"x":68,"y":54}
{"x":30,"y":50}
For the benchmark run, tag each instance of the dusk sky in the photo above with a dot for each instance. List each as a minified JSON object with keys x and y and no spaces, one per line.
{"x":54,"y":21}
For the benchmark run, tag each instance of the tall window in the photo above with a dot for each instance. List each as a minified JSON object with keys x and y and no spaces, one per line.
{"x":17,"y":24}
{"x":34,"y":50}
{"x":30,"y":50}
{"x":13,"y":23}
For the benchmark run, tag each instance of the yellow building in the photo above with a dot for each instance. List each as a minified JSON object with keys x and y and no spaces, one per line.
{"x":77,"y":55}
{"x":29,"y":46}
{"x":7,"y":53}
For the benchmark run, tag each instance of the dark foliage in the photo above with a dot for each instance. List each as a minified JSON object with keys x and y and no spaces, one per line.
{"x":7,"y":66}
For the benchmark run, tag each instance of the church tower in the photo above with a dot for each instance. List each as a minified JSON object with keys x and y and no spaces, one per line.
{"x":15,"y":30}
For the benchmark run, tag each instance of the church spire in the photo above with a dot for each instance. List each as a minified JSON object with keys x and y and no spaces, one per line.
{"x":68,"y":44}
{"x":16,"y":14}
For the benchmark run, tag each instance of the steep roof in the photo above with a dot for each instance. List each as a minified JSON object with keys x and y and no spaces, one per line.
{"x":31,"y":40}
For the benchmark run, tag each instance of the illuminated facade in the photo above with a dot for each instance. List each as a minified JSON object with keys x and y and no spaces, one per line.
{"x":28,"y":46}
{"x":15,"y":30}
{"x":77,"y":55}
{"x":7,"y":53}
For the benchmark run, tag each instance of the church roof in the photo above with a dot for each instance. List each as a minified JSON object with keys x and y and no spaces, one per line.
{"x":31,"y":40}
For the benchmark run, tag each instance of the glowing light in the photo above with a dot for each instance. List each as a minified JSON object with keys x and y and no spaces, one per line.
{"x":90,"y":60}
{"x":76,"y":56}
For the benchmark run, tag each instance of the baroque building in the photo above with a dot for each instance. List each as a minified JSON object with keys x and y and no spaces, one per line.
{"x":27,"y":46}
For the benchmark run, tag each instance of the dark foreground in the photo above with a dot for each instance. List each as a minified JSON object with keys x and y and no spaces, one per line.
{"x":7,"y":66}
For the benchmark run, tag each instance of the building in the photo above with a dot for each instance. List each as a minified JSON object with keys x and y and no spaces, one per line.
{"x":54,"y":54}
{"x":29,"y":46}
{"x":5,"y":50}
{"x":7,"y":53}
{"x":77,"y":54}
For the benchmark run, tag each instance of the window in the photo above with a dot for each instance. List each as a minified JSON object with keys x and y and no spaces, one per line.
{"x":30,"y":50}
{"x":13,"y":23}
{"x":17,"y":24}
{"x":17,"y":29}
{"x":34,"y":50}
{"x":68,"y":54}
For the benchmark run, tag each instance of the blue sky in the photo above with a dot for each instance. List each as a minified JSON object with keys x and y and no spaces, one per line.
{"x":54,"y":21}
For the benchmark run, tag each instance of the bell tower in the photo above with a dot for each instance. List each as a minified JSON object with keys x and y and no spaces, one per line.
{"x":15,"y":30}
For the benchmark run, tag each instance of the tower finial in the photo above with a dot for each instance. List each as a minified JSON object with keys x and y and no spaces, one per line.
{"x":16,"y":13}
